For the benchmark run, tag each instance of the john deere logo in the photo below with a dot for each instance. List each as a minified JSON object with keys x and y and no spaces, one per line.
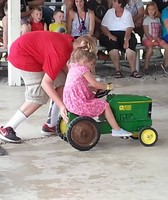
{"x":125,"y":107}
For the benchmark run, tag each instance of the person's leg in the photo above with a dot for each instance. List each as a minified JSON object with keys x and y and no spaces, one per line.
{"x":35,"y":97}
{"x":5,"y":32}
{"x":115,"y":57}
{"x":148,"y":54}
{"x":164,"y":45}
{"x":131,"y":56}
{"x":50,"y":126}
{"x":116,"y":130}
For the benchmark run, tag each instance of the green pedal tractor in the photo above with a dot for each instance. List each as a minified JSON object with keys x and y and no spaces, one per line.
{"x":132,"y":113}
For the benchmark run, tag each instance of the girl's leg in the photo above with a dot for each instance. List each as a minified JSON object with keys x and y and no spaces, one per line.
{"x":111,"y":119}
{"x":149,"y":51}
{"x":148,"y":55}
{"x":116,"y":130}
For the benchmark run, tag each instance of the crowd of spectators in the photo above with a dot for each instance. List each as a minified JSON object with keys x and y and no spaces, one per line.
{"x":101,"y":18}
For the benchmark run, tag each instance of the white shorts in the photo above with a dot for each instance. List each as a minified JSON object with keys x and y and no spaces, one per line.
{"x":34,"y":92}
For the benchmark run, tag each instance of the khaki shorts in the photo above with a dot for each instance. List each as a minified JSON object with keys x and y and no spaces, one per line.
{"x":34,"y":92}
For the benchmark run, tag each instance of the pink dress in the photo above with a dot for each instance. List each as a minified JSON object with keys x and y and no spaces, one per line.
{"x":77,"y":96}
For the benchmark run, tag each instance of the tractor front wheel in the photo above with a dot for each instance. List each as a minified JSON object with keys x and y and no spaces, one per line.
{"x":148,"y":136}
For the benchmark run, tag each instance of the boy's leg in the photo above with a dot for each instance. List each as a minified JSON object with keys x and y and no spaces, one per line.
{"x":50,"y":126}
{"x":35,"y":97}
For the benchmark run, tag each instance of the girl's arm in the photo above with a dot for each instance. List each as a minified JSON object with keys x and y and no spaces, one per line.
{"x":146,"y":32}
{"x":98,"y":85}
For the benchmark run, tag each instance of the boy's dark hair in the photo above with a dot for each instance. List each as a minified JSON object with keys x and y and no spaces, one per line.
{"x":57,"y":11}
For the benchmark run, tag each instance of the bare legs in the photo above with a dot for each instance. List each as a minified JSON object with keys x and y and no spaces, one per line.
{"x":131,"y":56}
{"x":110,"y":118}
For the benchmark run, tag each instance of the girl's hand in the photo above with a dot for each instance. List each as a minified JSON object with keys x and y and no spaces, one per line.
{"x":158,"y":40}
{"x":64,"y":114}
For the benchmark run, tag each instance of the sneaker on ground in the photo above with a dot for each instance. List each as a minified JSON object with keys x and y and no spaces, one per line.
{"x":9,"y":135}
{"x":121,"y":133}
{"x":46,"y":130}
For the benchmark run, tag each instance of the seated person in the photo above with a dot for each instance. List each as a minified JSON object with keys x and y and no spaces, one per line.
{"x":161,"y":4}
{"x":99,"y":7}
{"x":118,"y":36}
{"x":25,"y":14}
{"x":152,"y":34}
{"x":67,"y":6}
{"x":81,"y":20}
{"x":25,"y":24}
{"x":164,"y":22}
{"x":5,"y":26}
{"x":47,"y":12}
{"x":136,"y":7}
{"x":58,"y":25}
{"x":36,"y":21}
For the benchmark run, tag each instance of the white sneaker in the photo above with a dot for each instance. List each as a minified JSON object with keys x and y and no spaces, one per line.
{"x":121,"y":133}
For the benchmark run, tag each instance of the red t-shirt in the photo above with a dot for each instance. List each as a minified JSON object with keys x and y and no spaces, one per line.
{"x":41,"y":51}
{"x":37,"y":26}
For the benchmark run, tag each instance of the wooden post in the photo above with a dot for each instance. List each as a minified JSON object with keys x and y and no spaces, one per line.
{"x":14,"y":78}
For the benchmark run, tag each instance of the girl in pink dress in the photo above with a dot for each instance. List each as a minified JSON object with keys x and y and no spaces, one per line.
{"x":78,"y":96}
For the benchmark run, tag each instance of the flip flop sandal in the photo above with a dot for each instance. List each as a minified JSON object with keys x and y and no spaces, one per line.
{"x":146,"y":72}
{"x":135,"y":74}
{"x":118,"y":74}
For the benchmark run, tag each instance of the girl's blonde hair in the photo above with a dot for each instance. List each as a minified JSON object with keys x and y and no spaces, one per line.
{"x":156,"y":9}
{"x":87,"y":43}
{"x":82,"y":54}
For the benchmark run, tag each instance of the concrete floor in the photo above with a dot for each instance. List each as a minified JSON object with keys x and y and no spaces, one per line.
{"x":116,"y":169}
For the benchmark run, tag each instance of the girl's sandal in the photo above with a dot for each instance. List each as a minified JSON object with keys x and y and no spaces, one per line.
{"x":135,"y":74}
{"x":118,"y":74}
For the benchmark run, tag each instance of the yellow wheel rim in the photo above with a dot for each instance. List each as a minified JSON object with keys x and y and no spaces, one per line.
{"x":148,"y":136}
{"x":63,"y":127}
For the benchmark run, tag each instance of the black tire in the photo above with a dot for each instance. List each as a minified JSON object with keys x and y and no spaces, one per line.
{"x":134,"y":136}
{"x":61,"y":130}
{"x":148,"y":136}
{"x":82,"y":133}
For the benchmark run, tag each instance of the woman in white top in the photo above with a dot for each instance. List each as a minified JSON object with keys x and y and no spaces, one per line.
{"x":80,"y":19}
{"x":117,"y":26}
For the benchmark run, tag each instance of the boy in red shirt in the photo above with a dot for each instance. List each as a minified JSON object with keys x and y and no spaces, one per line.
{"x":41,"y":57}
